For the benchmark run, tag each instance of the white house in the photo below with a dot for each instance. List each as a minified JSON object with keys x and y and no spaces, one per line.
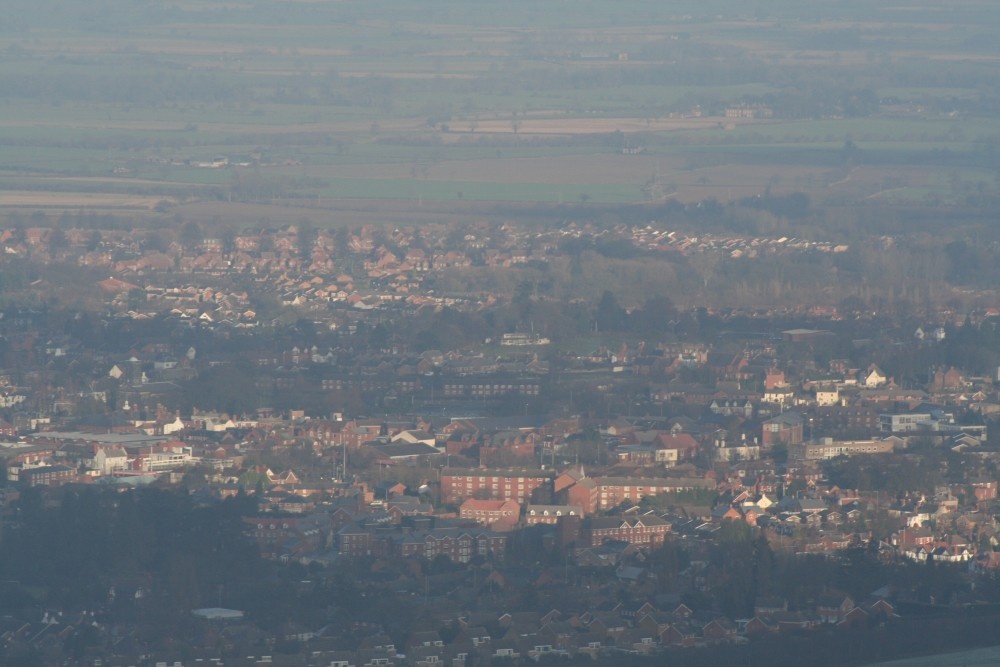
{"x":873,"y":377}
{"x":825,"y":397}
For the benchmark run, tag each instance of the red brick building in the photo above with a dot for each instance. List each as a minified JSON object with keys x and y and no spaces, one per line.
{"x":612,"y":491}
{"x":984,"y":489}
{"x":458,"y":484}
{"x":837,"y":420}
{"x":55,"y":475}
{"x":549,"y":514}
{"x":7,"y":429}
{"x":573,"y":487}
{"x":786,"y":428}
{"x":282,"y":535}
{"x":360,"y":542}
{"x":645,"y":531}
{"x":460,"y":545}
{"x":584,"y":494}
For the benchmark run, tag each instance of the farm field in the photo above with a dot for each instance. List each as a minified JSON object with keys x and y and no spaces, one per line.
{"x":160,"y":107}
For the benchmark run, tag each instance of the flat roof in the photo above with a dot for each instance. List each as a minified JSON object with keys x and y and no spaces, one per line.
{"x":101,"y":438}
{"x":218,"y":613}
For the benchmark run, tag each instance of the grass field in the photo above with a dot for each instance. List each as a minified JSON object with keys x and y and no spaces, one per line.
{"x":981,"y":657}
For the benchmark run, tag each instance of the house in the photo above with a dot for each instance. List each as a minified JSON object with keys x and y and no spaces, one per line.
{"x":731,"y":407}
{"x":491,"y":512}
{"x":760,"y":624}
{"x":792,"y":620}
{"x":680,"y":611}
{"x":827,"y":397}
{"x":678,"y":634}
{"x":856,"y":617}
{"x":414,"y":436}
{"x":872,"y":377}
{"x":726,"y":366}
{"x":722,"y":513}
{"x":389,"y":490}
{"x":637,"y":641}
{"x":407,"y":506}
{"x":719,"y":630}
{"x":426,"y":638}
{"x":505,"y":648}
{"x":478,"y":635}
{"x":946,"y":380}
{"x":774,"y":379}
{"x":880,"y":609}
{"x":671,"y":448}
{"x":833,"y":607}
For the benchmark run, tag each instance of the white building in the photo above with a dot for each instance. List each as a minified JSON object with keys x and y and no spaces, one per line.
{"x":826,"y":397}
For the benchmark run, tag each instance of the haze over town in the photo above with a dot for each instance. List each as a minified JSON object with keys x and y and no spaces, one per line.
{"x":404,"y":334}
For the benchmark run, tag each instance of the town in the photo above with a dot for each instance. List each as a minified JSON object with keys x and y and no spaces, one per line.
{"x":422,"y":448}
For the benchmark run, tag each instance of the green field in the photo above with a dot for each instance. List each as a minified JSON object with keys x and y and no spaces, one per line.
{"x":445,"y":101}
{"x":980,"y":657}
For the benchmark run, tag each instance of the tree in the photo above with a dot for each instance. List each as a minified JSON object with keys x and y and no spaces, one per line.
{"x":306,"y":238}
{"x":734,"y":568}
{"x":227,"y":234}
{"x":228,"y":387}
{"x":763,"y":565}
{"x":656,"y":315}
{"x":57,"y":239}
{"x":609,"y":316}
{"x":191,"y":234}
{"x":667,"y":562}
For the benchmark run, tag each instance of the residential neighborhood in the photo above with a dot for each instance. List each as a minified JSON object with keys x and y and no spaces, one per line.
{"x":362,"y":427}
{"x":478,"y":334}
